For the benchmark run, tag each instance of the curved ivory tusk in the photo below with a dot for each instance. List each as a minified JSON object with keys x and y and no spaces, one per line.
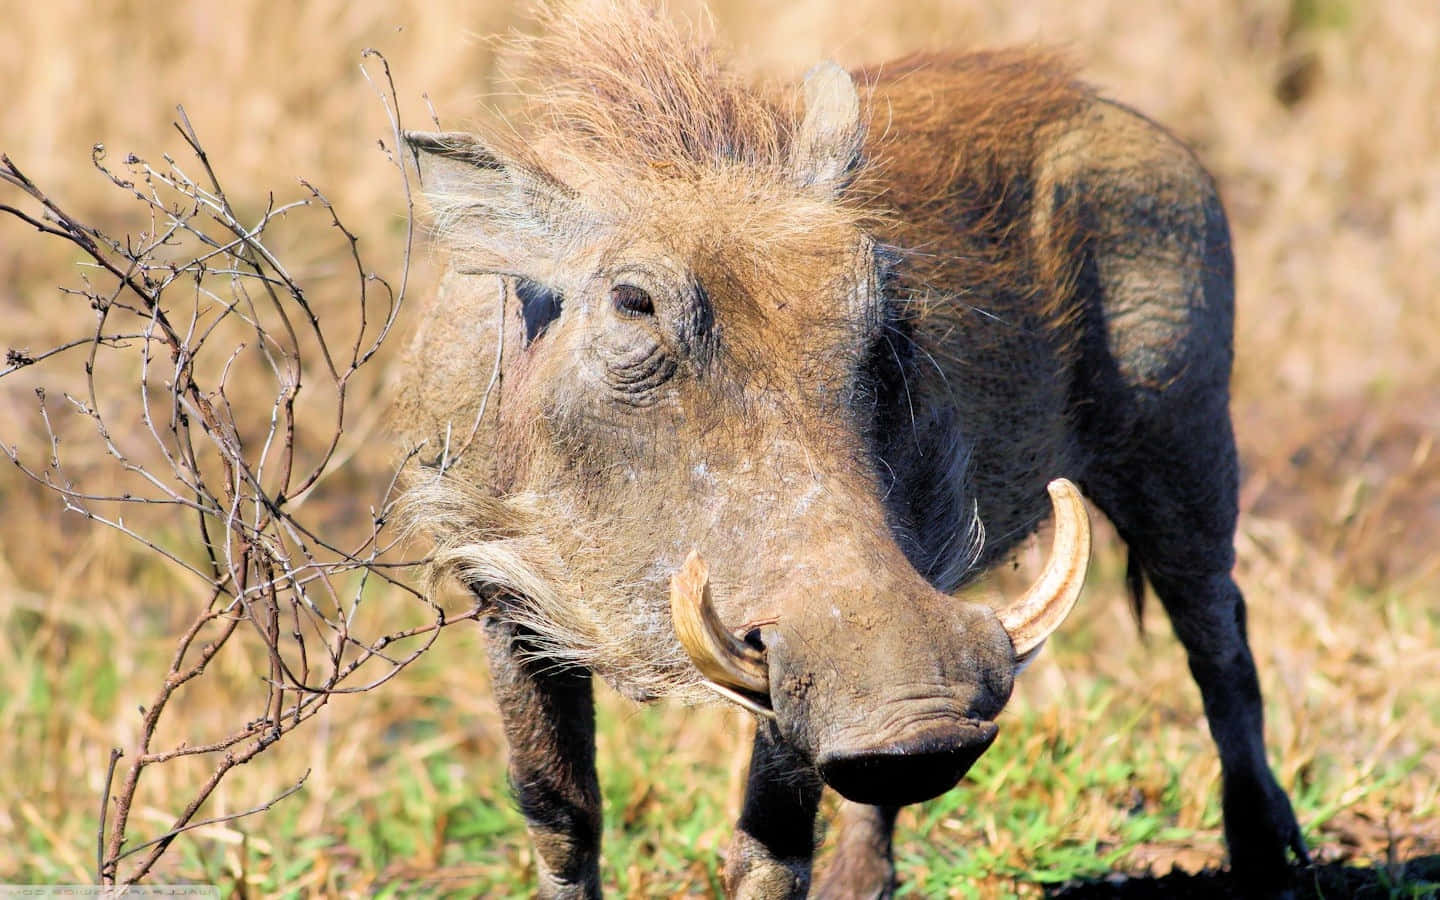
{"x":725,"y":660}
{"x":1032,"y":618}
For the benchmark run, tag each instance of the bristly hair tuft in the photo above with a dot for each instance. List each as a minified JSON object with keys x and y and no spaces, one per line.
{"x":618,"y":81}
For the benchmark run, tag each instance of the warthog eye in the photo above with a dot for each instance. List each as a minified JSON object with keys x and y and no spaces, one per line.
{"x":631,"y":300}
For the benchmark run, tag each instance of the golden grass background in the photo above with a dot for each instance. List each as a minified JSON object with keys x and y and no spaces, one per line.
{"x":1320,"y":118}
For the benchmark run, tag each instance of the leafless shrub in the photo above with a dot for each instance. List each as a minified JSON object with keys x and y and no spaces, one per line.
{"x":222,"y":398}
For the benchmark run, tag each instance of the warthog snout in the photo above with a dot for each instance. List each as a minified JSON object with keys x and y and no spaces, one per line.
{"x":887,"y":685}
{"x":899,"y":712}
{"x":927,"y":762}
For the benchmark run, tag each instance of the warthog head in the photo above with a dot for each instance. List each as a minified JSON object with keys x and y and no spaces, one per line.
{"x":679,"y":446}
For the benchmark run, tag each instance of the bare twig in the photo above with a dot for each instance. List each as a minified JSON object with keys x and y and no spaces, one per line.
{"x":171,"y":834}
{"x":191,"y":435}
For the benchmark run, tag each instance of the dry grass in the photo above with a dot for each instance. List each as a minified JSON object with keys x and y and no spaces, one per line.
{"x":1319,"y":118}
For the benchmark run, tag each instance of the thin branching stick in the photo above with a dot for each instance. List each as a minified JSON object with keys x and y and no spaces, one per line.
{"x":199,"y":314}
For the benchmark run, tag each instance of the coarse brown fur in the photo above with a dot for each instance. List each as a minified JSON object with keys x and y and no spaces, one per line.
{"x":838,"y":337}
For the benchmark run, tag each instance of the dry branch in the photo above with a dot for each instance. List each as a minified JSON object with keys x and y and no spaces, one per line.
{"x":203,"y":370}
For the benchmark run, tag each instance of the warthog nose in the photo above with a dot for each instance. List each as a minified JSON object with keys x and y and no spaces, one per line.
{"x":918,"y":768}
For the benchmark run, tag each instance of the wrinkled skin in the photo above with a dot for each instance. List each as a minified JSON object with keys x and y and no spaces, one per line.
{"x":820,"y":401}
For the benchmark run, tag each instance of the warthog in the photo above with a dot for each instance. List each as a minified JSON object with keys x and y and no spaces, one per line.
{"x":731,"y":388}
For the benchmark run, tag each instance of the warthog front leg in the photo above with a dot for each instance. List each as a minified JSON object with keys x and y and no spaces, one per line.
{"x":862,"y":868}
{"x":770,"y":855}
{"x":549,"y":720}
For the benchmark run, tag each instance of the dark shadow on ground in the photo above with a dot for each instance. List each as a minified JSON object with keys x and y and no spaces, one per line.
{"x":1415,"y":878}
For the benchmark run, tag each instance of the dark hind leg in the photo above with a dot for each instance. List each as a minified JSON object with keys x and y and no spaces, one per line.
{"x":1208,"y":614}
{"x":1173,"y":499}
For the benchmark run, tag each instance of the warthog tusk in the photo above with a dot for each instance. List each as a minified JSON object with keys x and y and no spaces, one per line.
{"x":1032,"y":618}
{"x":739,"y":699}
{"x":736,"y":670}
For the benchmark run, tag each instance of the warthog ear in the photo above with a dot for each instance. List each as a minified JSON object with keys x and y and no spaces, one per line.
{"x":494,"y":212}
{"x":827,"y":147}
